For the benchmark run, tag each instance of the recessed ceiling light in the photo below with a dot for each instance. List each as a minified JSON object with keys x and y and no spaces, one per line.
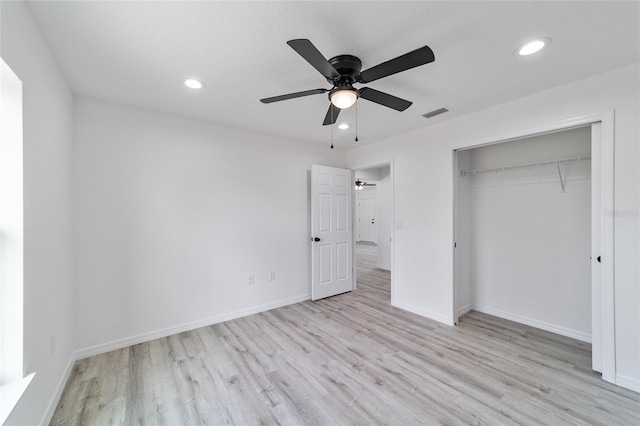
{"x":533,"y":46}
{"x":192,"y":83}
{"x":343,"y":126}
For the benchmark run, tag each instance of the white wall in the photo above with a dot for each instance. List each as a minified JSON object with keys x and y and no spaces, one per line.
{"x":48,"y":288}
{"x":529,"y":242}
{"x":370,"y":175}
{"x":173,"y":214}
{"x":383,"y":218}
{"x":424,"y":247}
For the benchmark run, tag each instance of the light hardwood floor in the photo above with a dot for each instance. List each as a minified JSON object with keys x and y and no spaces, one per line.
{"x":349,"y":359}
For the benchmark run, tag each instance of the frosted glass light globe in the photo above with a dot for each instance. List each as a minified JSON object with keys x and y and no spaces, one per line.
{"x":344,"y":98}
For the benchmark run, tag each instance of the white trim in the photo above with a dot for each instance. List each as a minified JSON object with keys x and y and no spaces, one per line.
{"x":422,"y":312}
{"x":354,"y":232}
{"x":607,"y":171}
{"x":145,"y":337}
{"x":393,"y":229}
{"x":465,"y":309}
{"x":10,"y":394}
{"x":57,"y":394}
{"x":597,"y":225}
{"x":536,"y":130}
{"x":628,"y":382}
{"x":452,"y":186}
{"x":12,"y":239}
{"x":563,"y":331}
{"x":607,"y":118}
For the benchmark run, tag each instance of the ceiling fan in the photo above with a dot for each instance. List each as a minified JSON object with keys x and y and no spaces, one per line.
{"x":361,"y":184}
{"x":343,"y":71}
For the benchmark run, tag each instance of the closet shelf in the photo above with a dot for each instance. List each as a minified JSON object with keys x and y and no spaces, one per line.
{"x":548,"y":163}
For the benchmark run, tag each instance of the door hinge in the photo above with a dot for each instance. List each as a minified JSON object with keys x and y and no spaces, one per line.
{"x":455,"y":245}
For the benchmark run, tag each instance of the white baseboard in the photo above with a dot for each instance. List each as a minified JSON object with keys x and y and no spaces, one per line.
{"x":385,"y":267}
{"x":145,"y":337}
{"x":631,"y":383}
{"x":578,"y":335}
{"x":422,"y":312}
{"x":53,"y":403}
{"x":465,"y":309}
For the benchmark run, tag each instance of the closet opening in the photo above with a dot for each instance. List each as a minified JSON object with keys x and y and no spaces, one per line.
{"x":529,"y":229}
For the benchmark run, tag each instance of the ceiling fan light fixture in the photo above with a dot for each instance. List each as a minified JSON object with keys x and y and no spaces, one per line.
{"x":343,"y":126}
{"x":343,"y":97}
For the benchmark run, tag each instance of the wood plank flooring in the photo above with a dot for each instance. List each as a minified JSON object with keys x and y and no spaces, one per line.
{"x":349,"y":359}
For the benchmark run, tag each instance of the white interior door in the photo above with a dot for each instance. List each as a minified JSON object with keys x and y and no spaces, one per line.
{"x":331,"y":231}
{"x":596,"y":248}
{"x":367,"y":220}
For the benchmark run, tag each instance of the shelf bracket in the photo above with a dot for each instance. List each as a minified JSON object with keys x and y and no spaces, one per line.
{"x":560,"y":176}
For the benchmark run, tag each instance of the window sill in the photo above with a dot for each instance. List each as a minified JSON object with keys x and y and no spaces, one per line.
{"x":10,"y":394}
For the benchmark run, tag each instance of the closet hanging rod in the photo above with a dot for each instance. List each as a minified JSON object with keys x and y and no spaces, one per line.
{"x":547,"y":163}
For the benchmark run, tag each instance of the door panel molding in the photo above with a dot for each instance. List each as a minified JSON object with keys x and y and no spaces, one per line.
{"x":332,"y":260}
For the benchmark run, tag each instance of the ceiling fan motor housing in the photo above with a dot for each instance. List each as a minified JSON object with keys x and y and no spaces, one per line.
{"x":348,"y":66}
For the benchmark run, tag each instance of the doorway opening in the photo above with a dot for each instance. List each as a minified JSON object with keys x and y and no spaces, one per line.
{"x":524,"y":231}
{"x":530,"y":229}
{"x":373,"y":228}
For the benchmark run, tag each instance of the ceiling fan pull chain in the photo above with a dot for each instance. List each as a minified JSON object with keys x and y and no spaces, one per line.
{"x":356,"y":121}
{"x":331,"y":125}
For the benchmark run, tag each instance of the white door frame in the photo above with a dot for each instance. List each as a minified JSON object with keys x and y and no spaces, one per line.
{"x":606,"y":162}
{"x":381,"y":163}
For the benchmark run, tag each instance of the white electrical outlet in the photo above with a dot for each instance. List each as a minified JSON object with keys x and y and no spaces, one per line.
{"x":272,"y":276}
{"x":252,"y":280}
{"x":53,"y":343}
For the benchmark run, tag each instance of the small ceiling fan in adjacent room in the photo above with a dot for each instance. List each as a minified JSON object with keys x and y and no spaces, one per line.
{"x":361,"y":184}
{"x":343,"y":71}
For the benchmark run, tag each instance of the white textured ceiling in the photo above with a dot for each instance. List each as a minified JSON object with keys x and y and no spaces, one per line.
{"x":138,"y":53}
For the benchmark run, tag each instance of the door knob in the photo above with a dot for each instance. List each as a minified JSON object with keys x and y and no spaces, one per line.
{"x":315,"y":239}
{"x":599,"y":259}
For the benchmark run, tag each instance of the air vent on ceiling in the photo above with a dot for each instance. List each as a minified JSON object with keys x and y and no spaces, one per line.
{"x":435,"y":112}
